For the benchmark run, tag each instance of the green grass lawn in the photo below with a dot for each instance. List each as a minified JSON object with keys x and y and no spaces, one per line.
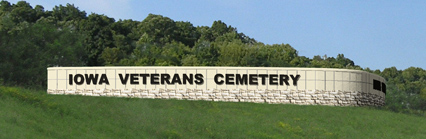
{"x":34,"y":114}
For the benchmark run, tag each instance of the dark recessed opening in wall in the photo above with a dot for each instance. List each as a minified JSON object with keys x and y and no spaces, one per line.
{"x":384,"y":88}
{"x":377,"y":85}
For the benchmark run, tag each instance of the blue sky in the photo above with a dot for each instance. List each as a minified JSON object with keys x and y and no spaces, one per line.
{"x":376,"y":34}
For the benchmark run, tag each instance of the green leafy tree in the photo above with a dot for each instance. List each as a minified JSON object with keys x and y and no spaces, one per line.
{"x":33,"y":48}
{"x":157,"y":29}
{"x":206,"y":53}
{"x":232,"y":54}
{"x":186,"y":33}
{"x":22,"y":11}
{"x":68,"y":13}
{"x":111,"y":56}
{"x":98,"y":33}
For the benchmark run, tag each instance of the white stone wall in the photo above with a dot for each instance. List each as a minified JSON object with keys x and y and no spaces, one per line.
{"x":310,"y":97}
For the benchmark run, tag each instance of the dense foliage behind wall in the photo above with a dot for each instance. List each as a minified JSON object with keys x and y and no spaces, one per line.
{"x":32,"y":39}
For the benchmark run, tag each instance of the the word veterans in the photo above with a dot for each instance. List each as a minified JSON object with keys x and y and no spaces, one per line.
{"x":183,"y":79}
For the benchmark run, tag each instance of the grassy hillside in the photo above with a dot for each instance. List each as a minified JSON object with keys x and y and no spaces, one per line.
{"x":28,"y":114}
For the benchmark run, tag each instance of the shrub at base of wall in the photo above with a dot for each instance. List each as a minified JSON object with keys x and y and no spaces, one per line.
{"x":301,"y":97}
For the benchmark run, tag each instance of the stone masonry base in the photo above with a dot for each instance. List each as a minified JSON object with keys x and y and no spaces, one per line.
{"x":301,"y":97}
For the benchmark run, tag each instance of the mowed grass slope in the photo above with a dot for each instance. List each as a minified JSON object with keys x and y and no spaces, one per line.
{"x":34,"y":114}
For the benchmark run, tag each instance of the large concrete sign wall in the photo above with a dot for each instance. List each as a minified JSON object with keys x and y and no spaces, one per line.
{"x":321,"y":86}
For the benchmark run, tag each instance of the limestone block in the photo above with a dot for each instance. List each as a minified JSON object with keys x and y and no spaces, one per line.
{"x":248,"y":100}
{"x":285,"y":101}
{"x":87,"y":91}
{"x":260,"y":91}
{"x":280,"y":98}
{"x":208,"y":91}
{"x":202,"y":97}
{"x":154,"y":91}
{"x":276,"y":95}
{"x":126,"y":91}
{"x":136,"y":91}
{"x":181,"y":91}
{"x":150,"y":96}
{"x":217,"y":99}
{"x":267,"y":100}
{"x":311,"y":92}
{"x":272,"y":101}
{"x":317,"y":102}
{"x":157,"y":95}
{"x":233,"y":100}
{"x":69,"y":92}
{"x":234,"y":91}
{"x":50,"y":91}
{"x":98,"y":91}
{"x":78,"y":91}
{"x":144,"y":91}
{"x":107,"y":90}
{"x":305,"y":98}
{"x":285,"y":92}
{"x":228,"y":97}
{"x":333,"y":93}
{"x":60,"y":92}
{"x":259,"y":101}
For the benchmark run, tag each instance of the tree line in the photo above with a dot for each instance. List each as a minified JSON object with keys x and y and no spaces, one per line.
{"x":32,"y":39}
